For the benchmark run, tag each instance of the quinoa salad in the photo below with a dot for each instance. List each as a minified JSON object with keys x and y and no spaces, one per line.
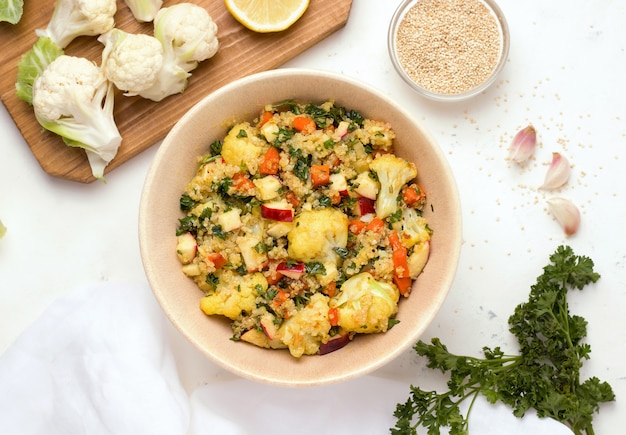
{"x":303,"y":228}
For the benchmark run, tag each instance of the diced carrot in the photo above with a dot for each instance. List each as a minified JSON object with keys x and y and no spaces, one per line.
{"x":330,"y":289}
{"x":216,"y":259}
{"x":375,"y":225}
{"x":403,"y":284}
{"x":242,"y":183}
{"x":413,"y":195}
{"x":281,"y":297}
{"x":292,"y":199}
{"x":356,"y":226}
{"x":304,"y":124}
{"x":272,"y":277}
{"x":320,"y":175}
{"x":270,"y":163}
{"x":267,"y":115}
{"x":402,"y":276}
{"x":333,"y":316}
{"x":335,"y":197}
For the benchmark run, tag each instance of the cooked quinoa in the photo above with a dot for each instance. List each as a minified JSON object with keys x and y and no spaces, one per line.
{"x":304,"y":228}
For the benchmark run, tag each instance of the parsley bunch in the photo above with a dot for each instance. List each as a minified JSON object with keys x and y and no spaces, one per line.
{"x":545,"y":375}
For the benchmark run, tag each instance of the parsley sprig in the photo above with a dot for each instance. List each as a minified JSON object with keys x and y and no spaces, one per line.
{"x":545,"y":376}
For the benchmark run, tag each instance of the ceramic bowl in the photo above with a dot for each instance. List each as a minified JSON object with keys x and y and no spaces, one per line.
{"x":175,"y":164}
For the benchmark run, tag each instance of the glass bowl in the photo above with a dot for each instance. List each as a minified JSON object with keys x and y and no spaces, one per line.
{"x":438,"y":73}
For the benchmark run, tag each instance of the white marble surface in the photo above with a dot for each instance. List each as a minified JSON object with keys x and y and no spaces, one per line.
{"x":564,"y":75}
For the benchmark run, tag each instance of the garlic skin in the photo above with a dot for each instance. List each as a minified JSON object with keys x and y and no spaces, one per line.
{"x":523,"y":144}
{"x":558,"y":172}
{"x":565,"y":213}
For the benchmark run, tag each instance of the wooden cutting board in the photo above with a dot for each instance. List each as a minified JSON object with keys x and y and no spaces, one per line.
{"x":141,"y":122}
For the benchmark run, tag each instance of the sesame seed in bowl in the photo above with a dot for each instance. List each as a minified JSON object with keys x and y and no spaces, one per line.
{"x":448,"y":50}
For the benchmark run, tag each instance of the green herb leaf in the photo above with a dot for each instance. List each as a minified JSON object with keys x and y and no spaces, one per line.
{"x":545,"y":376}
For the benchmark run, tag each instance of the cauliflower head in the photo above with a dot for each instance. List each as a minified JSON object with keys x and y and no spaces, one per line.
{"x":73,"y":99}
{"x":365,"y":305}
{"x":74,"y":18}
{"x":234,"y":295}
{"x":308,"y":328}
{"x":188,"y":32}
{"x":131,"y":61}
{"x":315,"y":235}
{"x":393,"y":173}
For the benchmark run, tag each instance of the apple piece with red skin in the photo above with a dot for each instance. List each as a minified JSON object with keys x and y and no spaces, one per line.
{"x":365,"y":185}
{"x":365,"y":206}
{"x":338,"y":182}
{"x":269,"y":327}
{"x":277,"y":211}
{"x":335,"y":343}
{"x":291,"y":270}
{"x":341,"y":131}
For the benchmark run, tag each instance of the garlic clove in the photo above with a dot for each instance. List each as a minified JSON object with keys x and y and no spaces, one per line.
{"x":523,"y":144}
{"x":558,"y":172}
{"x":565,"y":213}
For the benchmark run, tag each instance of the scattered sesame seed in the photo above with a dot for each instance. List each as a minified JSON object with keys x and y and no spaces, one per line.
{"x":449,"y":46}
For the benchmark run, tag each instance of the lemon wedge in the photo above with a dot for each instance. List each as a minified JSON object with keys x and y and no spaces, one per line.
{"x":266,"y":16}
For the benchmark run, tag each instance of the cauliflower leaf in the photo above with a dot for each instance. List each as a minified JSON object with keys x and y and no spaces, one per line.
{"x":11,"y":10}
{"x":32,"y":64}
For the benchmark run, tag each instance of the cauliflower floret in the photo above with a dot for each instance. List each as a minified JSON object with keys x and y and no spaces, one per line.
{"x":188,"y":35}
{"x":234,"y":294}
{"x":131,"y":61}
{"x":188,"y":31}
{"x":412,"y":227}
{"x":242,"y":148}
{"x":73,"y":99}
{"x":314,"y":237}
{"x":393,"y":173}
{"x":365,"y":305}
{"x":73,"y":18}
{"x":308,"y":328}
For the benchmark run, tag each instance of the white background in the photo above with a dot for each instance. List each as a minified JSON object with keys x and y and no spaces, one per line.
{"x":565,"y":75}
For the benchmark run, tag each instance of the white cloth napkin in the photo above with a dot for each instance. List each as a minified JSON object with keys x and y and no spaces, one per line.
{"x":100,"y":361}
